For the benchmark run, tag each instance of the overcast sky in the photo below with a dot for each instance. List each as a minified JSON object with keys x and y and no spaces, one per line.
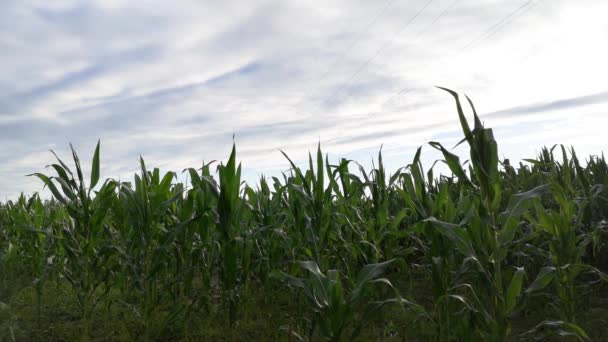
{"x":174,"y":80}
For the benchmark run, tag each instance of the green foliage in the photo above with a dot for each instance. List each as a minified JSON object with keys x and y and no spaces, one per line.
{"x":477,"y":252}
{"x":7,"y":323}
{"x":341,"y":307}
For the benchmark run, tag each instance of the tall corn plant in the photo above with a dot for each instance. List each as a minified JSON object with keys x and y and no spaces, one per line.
{"x":203,"y":197}
{"x":31,"y":225}
{"x":147,"y":231}
{"x":567,"y":246}
{"x":424,"y":198}
{"x":233,"y":236}
{"x":309,"y":203}
{"x":597,"y":170}
{"x":325,"y":221}
{"x":271,"y":242}
{"x":358,"y":242}
{"x":11,"y":265}
{"x":84,"y":238}
{"x":485,"y":235}
{"x":381,"y":230}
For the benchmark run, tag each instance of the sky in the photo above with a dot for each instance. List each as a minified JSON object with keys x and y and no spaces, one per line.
{"x":177,"y":81}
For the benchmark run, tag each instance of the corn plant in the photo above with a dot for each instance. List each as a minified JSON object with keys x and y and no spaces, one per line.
{"x":567,"y":247}
{"x":485,"y":234}
{"x":85,"y":237}
{"x":202,"y":200}
{"x":233,"y":236}
{"x":381,"y":232}
{"x":267,"y":220}
{"x":423,"y":199}
{"x":31,"y":226}
{"x":310,"y":205}
{"x":146,"y":236}
{"x":487,"y":241}
{"x":341,"y":307}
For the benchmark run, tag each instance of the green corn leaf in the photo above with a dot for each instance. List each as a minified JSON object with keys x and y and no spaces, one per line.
{"x":514,"y":288}
{"x":518,"y":204}
{"x":561,"y":328}
{"x":545,"y":277}
{"x":478,"y":124}
{"x":95,"y":168}
{"x":61,"y":172}
{"x":77,"y":164}
{"x":68,"y":190}
{"x":65,"y":167}
{"x":49,"y":183}
{"x":463,"y":121}
{"x":456,"y":234}
{"x":453,"y":162}
{"x":367,"y":274}
{"x":396,"y":221}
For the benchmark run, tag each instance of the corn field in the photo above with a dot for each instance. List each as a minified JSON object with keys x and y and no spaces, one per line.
{"x":328,"y":252}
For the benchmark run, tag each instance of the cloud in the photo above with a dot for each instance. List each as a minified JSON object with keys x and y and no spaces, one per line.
{"x":174,"y":83}
{"x":541,"y":108}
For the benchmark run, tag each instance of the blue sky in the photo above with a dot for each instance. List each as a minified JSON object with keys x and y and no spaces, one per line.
{"x":174,"y":81}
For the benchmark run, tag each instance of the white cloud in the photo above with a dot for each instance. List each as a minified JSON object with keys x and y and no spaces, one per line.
{"x":175,"y":81}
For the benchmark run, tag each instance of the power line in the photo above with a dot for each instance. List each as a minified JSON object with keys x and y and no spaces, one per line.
{"x":436,"y":19}
{"x":502,"y":22}
{"x":375,"y":55}
{"x":498,"y":29}
{"x":354,"y":43}
{"x":425,"y":29}
{"x":505,"y":21}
